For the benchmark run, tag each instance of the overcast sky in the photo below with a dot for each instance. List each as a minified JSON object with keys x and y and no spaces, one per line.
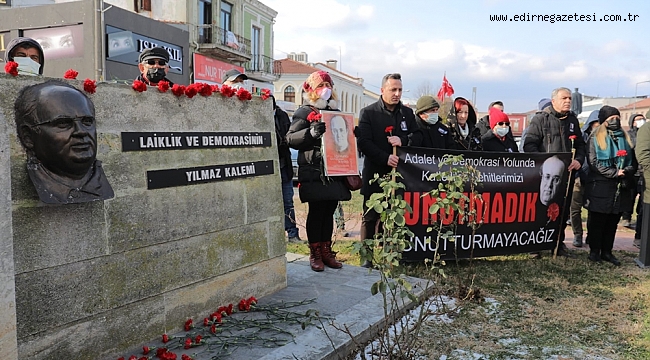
{"x":516,"y":62}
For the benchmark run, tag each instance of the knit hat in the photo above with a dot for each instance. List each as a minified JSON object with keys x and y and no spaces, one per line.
{"x":543,"y":104}
{"x":497,"y":116}
{"x":605,"y":112}
{"x":315,"y":79}
{"x":425,"y":103}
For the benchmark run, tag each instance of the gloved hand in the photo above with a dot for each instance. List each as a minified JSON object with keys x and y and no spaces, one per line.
{"x":317,"y":129}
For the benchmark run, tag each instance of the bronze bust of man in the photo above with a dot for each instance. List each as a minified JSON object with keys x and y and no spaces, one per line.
{"x":56,"y":125}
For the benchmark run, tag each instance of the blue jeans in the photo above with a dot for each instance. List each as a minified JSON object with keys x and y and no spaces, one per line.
{"x":289,"y":213}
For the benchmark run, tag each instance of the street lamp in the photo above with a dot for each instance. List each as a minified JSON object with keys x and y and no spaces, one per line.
{"x":635,"y":87}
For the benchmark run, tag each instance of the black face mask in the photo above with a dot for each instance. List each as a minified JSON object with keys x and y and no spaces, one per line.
{"x":613,"y":124}
{"x":155,"y":74}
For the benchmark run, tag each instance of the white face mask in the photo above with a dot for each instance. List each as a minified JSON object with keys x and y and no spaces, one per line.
{"x":502,"y":131}
{"x":325,"y":93}
{"x":27,"y":66}
{"x":639,"y":123}
{"x":432,"y":118}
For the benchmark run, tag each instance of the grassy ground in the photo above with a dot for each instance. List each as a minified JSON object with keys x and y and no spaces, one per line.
{"x":530,"y":309}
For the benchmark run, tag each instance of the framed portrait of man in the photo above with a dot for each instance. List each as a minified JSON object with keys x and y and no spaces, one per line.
{"x":339,"y":144}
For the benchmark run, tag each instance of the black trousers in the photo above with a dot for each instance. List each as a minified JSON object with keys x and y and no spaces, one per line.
{"x":639,"y":218}
{"x":602,"y":231}
{"x":320,"y":221}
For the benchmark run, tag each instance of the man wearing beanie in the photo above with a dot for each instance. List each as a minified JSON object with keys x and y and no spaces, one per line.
{"x":497,"y":138}
{"x":431,"y":132}
{"x":550,"y":131}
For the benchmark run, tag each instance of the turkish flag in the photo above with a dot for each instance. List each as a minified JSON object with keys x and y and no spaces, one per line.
{"x":446,"y":90}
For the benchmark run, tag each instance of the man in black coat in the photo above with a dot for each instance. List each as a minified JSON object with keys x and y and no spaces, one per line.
{"x":431,"y":132}
{"x":551,"y":131}
{"x":376,"y":142}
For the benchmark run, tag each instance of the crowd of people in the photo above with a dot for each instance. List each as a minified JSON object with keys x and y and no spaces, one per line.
{"x":607,"y":171}
{"x":605,"y":175}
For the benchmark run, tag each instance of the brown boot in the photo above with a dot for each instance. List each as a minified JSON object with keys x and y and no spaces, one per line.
{"x":315,"y":259}
{"x":329,"y":257}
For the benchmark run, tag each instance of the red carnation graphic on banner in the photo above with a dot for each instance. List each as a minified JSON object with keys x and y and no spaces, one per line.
{"x":553,"y":211}
{"x":90,"y":86}
{"x":11,"y":68}
{"x":70,"y":74}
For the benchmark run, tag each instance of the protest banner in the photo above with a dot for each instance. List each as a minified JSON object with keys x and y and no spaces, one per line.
{"x":519,"y":208}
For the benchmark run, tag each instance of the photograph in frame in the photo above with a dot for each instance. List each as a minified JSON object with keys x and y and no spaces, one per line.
{"x":339,"y":144}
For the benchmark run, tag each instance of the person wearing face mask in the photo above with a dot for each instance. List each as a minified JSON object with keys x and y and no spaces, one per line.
{"x":498,"y":140}
{"x":431,"y":132}
{"x":234,"y":78}
{"x":28,"y":54}
{"x":321,"y":193}
{"x":154,"y":66}
{"x":635,"y":122}
{"x":462,"y":121}
{"x":607,"y":188}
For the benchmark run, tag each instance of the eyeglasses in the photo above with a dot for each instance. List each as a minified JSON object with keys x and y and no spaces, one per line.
{"x":501,"y":123}
{"x":156,"y":61}
{"x":65,"y":123}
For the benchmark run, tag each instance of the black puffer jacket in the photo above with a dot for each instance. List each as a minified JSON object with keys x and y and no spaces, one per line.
{"x":633,"y":132}
{"x":602,"y":184}
{"x":314,"y":185}
{"x":473,"y":140}
{"x":550,"y":132}
{"x":492,"y":143}
{"x":282,"y":123}
{"x":436,"y":136}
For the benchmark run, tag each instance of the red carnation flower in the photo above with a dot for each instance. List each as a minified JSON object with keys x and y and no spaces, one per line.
{"x":244,"y":305}
{"x":252,"y":300}
{"x":215,"y":88}
{"x":206,"y":322}
{"x":70,"y":74}
{"x":266,"y":93}
{"x":165,"y":338}
{"x":244,"y":94}
{"x":163,"y":86}
{"x":313,"y":116}
{"x":188,"y":325}
{"x":572,"y":137}
{"x":122,"y":358}
{"x":160,"y":352}
{"x":553,"y":211}
{"x":198,"y":339}
{"x":227,"y":91}
{"x":133,"y":357}
{"x":188,"y":343}
{"x":145,"y":350}
{"x":204,"y":89}
{"x":621,"y":153}
{"x":11,"y":68}
{"x":185,"y":357}
{"x":144,"y":358}
{"x":389,"y":130}
{"x":178,"y":90}
{"x":90,"y":86}
{"x":229,"y":309}
{"x":213,"y":328}
{"x":190,"y":91}
{"x":139,"y":86}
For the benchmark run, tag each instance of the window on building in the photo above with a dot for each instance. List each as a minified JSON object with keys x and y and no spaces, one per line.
{"x":255,"y":49}
{"x":145,"y":5}
{"x":205,"y":21}
{"x":290,"y":94}
{"x":225,"y":21}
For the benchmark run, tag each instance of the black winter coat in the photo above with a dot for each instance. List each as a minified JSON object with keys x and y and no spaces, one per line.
{"x":473,"y":140}
{"x":492,"y":143}
{"x":548,"y":133}
{"x":602,"y":183}
{"x":282,"y":123}
{"x":313,"y":184}
{"x":372,"y":139}
{"x":436,"y":136}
